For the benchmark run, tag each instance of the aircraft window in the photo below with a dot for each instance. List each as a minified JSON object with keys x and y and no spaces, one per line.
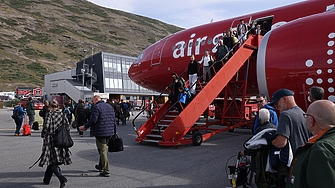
{"x":173,"y":48}
{"x":140,"y":56}
{"x":184,"y":45}
{"x":203,"y":42}
{"x":179,"y":46}
{"x":196,"y":43}
{"x":190,"y":44}
{"x":216,"y":40}
{"x":209,"y":41}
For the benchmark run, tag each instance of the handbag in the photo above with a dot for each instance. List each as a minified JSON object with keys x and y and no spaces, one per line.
{"x":115,"y":143}
{"x":62,"y":138}
{"x":74,"y":124}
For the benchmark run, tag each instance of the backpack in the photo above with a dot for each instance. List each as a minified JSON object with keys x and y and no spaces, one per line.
{"x":124,"y":106}
{"x":80,"y":111}
{"x":188,"y":94}
{"x":67,"y":111}
{"x":16,"y":114}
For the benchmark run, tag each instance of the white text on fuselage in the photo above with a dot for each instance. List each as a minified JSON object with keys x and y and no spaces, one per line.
{"x":179,"y":50}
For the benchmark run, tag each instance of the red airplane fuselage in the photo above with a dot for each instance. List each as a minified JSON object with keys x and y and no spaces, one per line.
{"x":297,"y":53}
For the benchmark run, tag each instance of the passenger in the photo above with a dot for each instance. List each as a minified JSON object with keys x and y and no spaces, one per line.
{"x":291,"y":126}
{"x":242,"y":29}
{"x":68,"y":110}
{"x":30,"y":108}
{"x":52,"y":156}
{"x":103,"y":126}
{"x":81,"y":115}
{"x":18,"y":121}
{"x":265,"y":27}
{"x":228,"y":40}
{"x":124,"y":110}
{"x":258,"y":30}
{"x":45,"y":110}
{"x":193,"y":74}
{"x":118,"y":112}
{"x":182,"y":99}
{"x":264,"y":117}
{"x":316,"y":93}
{"x":220,"y":55}
{"x":174,"y":87}
{"x":207,"y":61}
{"x":262,"y":103}
{"x":314,"y":162}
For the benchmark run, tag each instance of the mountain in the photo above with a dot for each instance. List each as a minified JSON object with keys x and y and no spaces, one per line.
{"x":39,"y":37}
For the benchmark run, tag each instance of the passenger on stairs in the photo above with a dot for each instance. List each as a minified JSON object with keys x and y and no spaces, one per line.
{"x":193,"y":73}
{"x":228,"y":40}
{"x":220,"y":55}
{"x":182,"y":99}
{"x":174,"y":87}
{"x":207,"y":61}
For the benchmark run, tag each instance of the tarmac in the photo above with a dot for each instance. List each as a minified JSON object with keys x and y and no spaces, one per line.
{"x":139,"y":165}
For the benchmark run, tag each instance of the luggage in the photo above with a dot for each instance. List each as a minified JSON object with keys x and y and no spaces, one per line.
{"x":26,"y":128}
{"x":62,"y":136}
{"x":36,"y":126}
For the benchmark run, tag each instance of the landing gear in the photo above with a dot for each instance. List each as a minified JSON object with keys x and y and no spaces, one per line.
{"x":197,"y":138}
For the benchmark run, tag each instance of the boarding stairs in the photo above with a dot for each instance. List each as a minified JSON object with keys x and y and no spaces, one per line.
{"x":167,"y":127}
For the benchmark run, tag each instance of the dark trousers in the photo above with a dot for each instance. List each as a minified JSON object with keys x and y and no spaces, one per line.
{"x":53,"y":169}
{"x":18,"y":123}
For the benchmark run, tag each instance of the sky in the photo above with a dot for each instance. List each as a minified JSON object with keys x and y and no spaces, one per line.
{"x":191,"y":13}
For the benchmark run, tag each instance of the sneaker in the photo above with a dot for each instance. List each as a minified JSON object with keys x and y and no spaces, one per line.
{"x":98,"y":168}
{"x":103,"y":174}
{"x":16,"y":134}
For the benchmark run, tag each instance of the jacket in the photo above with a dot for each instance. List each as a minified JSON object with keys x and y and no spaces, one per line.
{"x":19,"y":109}
{"x":102,"y":121}
{"x":50,"y":154}
{"x":181,"y":82}
{"x":314,"y":163}
{"x":221,"y":52}
{"x":30,"y":108}
{"x":193,"y":68}
{"x":273,"y":118}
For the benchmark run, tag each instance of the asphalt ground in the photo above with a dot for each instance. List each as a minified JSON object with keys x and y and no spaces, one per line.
{"x":139,"y":165}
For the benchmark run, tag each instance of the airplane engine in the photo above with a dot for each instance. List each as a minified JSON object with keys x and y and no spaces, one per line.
{"x":297,"y":56}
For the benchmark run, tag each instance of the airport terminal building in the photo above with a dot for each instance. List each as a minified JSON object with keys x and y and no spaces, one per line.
{"x":103,"y":73}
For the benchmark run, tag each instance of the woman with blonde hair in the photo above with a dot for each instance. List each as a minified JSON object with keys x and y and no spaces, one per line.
{"x":51,"y":155}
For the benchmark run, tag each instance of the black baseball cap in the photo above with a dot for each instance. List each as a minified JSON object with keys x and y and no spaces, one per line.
{"x":279,"y":94}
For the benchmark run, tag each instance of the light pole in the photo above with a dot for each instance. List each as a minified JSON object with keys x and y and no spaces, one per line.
{"x":83,"y":71}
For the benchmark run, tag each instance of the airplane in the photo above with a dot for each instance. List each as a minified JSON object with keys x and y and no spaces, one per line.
{"x":297,"y":53}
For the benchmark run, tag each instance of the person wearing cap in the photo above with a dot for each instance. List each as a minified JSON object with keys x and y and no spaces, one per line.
{"x":314,"y":162}
{"x":291,"y":129}
{"x":292,"y":124}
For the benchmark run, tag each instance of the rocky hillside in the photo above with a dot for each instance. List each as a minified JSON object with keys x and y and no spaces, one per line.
{"x":39,"y":37}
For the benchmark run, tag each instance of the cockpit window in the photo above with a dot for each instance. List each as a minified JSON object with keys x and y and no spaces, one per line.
{"x":140,"y":56}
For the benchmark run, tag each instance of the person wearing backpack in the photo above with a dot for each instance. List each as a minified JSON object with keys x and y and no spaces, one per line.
{"x":81,"y":115}
{"x":182,"y":99}
{"x":51,"y":155}
{"x":207,"y":61}
{"x":68,"y":111}
{"x":18,"y":115}
{"x":124,"y":109}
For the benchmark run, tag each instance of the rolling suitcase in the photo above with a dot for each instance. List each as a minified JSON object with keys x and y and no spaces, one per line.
{"x":26,"y":128}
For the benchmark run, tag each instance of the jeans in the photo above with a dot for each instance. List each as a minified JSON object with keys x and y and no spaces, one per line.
{"x":103,"y":161}
{"x":192,"y":79}
{"x":18,"y":123}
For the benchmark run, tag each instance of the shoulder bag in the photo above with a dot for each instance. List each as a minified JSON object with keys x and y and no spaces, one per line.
{"x":115,"y":143}
{"x":62,"y":137}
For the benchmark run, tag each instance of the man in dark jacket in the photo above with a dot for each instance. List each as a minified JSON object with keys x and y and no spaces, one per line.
{"x":193,"y":73}
{"x":314,"y":162}
{"x":262,"y":102}
{"x":30,"y":108}
{"x":220,"y":54}
{"x":103,"y":126}
{"x":45,"y":110}
{"x":81,"y":115}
